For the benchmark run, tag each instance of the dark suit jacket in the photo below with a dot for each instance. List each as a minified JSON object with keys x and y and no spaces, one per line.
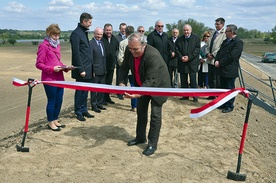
{"x":153,"y":71}
{"x":193,"y":50}
{"x":160,"y":43}
{"x":99,"y":60}
{"x":228,"y":57}
{"x":119,"y":37}
{"x":172,"y":61}
{"x":81,"y":53}
{"x":111,"y":49}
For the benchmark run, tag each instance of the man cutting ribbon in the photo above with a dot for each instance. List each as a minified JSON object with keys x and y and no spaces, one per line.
{"x":149,"y":70}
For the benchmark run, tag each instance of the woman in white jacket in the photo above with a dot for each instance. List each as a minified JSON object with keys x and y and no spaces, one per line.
{"x":203,"y":65}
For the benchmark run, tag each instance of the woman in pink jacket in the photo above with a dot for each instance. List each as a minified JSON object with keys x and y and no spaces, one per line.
{"x":48,"y":61}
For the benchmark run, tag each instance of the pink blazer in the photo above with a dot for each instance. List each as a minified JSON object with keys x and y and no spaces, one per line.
{"x":47,"y":58}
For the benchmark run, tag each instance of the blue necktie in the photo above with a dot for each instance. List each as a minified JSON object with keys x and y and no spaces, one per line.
{"x":100,"y":45}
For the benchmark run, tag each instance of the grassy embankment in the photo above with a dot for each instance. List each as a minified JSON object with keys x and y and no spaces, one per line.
{"x":258,"y":47}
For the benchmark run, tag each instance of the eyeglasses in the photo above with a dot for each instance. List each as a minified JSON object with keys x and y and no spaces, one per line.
{"x":141,"y":31}
{"x":206,"y":36}
{"x":228,"y":31}
{"x":160,"y":25}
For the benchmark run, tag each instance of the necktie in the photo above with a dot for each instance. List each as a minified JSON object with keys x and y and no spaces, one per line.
{"x":212,"y":41}
{"x":100,"y":45}
{"x":228,"y":40}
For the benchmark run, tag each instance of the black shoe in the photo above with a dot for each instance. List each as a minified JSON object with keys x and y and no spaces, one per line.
{"x":120,"y":96}
{"x":136,"y":142}
{"x":184,"y":98}
{"x":97,"y":110}
{"x":61,"y":126}
{"x":110,"y":101}
{"x":195,"y":99}
{"x":211,"y":98}
{"x":80,"y":118}
{"x":88,"y":115}
{"x":226,"y":110}
{"x":56,"y":130}
{"x":149,"y":150}
{"x":102,"y":108}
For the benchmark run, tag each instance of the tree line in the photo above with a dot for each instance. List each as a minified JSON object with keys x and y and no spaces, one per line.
{"x":9,"y":36}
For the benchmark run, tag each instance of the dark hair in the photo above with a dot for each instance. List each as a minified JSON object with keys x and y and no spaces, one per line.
{"x":129,"y":30}
{"x":221,"y":20}
{"x":233,"y":28}
{"x":122,"y":24}
{"x":85,"y":17}
{"x":107,"y":25}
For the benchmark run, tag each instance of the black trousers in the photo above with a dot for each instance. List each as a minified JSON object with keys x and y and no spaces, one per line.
{"x":213,"y":78}
{"x":97,"y":98}
{"x":109,"y":79}
{"x":142,"y":120}
{"x":80,"y":100}
{"x":184,"y":80}
{"x":118,"y":70}
{"x":228,"y":83}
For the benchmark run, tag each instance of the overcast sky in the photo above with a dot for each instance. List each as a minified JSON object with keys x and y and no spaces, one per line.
{"x":38,"y":14}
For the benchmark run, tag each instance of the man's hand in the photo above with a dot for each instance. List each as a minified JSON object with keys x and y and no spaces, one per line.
{"x":217,"y":64}
{"x":210,"y":56}
{"x":127,"y":95}
{"x":172,"y":55}
{"x":83,"y":74}
{"x":185,"y":59}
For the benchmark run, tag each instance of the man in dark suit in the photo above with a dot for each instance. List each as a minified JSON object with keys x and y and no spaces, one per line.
{"x":122,"y":32}
{"x":149,"y":70}
{"x":99,"y":69}
{"x":227,"y":63}
{"x":172,"y":63}
{"x":111,"y":46}
{"x":159,"y":40}
{"x":187,"y":52}
{"x":82,"y":59}
{"x":120,"y":37}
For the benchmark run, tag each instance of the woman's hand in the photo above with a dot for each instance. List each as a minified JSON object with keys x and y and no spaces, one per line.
{"x":57,"y":68}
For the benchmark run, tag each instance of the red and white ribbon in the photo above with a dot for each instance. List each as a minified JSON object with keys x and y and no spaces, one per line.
{"x":223,"y":94}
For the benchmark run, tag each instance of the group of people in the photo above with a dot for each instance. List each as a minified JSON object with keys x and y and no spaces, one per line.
{"x":209,"y":62}
{"x":145,"y":61}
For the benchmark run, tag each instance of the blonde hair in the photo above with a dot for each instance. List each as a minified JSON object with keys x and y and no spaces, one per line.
{"x":52,"y":29}
{"x":206,"y":33}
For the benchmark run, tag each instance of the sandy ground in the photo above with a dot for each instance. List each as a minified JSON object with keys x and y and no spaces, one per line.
{"x":189,"y":150}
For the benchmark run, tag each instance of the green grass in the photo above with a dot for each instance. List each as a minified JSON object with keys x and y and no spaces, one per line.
{"x":258,"y":47}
